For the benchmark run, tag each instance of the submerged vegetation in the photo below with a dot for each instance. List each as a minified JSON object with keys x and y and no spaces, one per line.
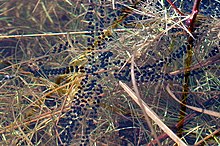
{"x":70,"y":72}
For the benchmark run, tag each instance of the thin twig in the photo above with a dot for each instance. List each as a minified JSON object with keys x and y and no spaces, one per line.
{"x":207,"y":137}
{"x":208,"y":112}
{"x":175,"y":8}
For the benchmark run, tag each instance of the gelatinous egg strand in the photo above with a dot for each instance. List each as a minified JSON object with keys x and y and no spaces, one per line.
{"x":79,"y":120}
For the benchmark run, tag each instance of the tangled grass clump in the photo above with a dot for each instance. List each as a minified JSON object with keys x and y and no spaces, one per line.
{"x":63,"y":64}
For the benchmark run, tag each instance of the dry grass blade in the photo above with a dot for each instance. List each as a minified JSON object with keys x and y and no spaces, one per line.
{"x":211,"y":60}
{"x":208,"y":112}
{"x":153,"y":115}
{"x":58,"y":33}
{"x":140,"y":101}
